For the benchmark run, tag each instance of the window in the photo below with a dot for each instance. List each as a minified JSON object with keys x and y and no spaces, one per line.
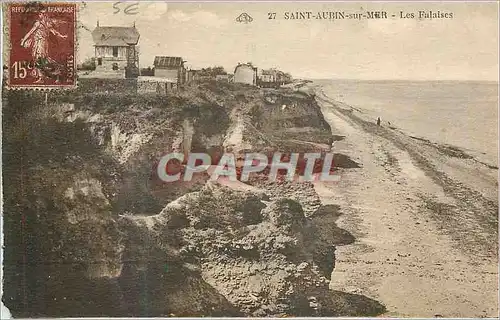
{"x":115,"y":51}
{"x":99,"y":61}
{"x":115,"y":66}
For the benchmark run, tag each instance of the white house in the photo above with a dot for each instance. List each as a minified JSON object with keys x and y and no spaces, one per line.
{"x":245,"y":73}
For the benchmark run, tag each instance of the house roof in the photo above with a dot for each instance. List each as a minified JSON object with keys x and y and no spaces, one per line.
{"x":168,"y":62}
{"x":115,"y":36}
{"x":269,"y":72}
{"x":245,"y":65}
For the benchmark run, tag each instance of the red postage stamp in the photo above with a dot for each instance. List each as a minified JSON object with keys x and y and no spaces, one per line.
{"x":42,"y":45}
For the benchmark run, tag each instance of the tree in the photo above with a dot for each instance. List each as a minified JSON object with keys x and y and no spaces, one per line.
{"x":218,"y":70}
{"x":212,"y":71}
{"x":88,"y":64}
{"x":148,"y":71}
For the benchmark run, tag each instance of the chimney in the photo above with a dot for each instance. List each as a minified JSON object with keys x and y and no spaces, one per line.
{"x":97,"y":23}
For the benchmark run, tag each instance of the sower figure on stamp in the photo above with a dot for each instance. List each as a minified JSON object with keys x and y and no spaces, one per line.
{"x":38,"y":39}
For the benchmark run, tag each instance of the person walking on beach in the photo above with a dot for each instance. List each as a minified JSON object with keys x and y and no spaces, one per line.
{"x":378,"y":121}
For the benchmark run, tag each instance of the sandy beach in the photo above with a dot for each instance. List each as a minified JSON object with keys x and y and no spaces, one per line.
{"x":424,"y":217}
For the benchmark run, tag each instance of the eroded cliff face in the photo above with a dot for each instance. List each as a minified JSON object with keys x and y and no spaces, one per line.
{"x":90,"y":230}
{"x":262,"y":256}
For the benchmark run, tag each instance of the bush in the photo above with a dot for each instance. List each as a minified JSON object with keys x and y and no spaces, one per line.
{"x":88,"y":65}
{"x":148,"y":71}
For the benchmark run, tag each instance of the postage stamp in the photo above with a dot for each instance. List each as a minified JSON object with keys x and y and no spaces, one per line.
{"x":41,"y":44}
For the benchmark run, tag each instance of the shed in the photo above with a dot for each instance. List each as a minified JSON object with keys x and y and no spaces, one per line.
{"x":170,"y":68}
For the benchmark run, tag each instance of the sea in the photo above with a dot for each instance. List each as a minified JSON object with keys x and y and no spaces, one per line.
{"x":459,"y":113}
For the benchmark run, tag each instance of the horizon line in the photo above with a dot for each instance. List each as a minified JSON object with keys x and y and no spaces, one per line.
{"x":414,"y":80}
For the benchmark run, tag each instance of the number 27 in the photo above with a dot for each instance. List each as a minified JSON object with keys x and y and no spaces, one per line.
{"x":271,"y":15}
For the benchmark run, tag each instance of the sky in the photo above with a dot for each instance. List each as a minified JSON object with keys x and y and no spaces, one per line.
{"x":207,"y":34}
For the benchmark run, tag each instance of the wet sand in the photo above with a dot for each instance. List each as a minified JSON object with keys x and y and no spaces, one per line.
{"x":424,"y":216}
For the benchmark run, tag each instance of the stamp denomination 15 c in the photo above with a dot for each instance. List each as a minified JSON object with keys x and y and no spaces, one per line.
{"x":41,"y":45}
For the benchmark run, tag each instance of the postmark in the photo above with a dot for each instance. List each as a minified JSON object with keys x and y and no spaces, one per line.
{"x":42,"y":45}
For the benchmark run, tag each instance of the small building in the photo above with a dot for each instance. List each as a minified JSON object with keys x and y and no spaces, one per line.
{"x":222,"y":77}
{"x":170,"y":68}
{"x":269,"y":78}
{"x":269,"y":75}
{"x":197,"y":75}
{"x":115,"y":49}
{"x":245,"y":73}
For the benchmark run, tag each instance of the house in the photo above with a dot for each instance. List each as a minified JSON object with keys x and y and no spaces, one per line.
{"x":170,"y":68}
{"x":223,"y":77}
{"x":245,"y":73}
{"x":269,"y":76}
{"x":115,"y":48}
{"x":273,"y":78}
{"x":197,"y":75}
{"x":207,"y":74}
